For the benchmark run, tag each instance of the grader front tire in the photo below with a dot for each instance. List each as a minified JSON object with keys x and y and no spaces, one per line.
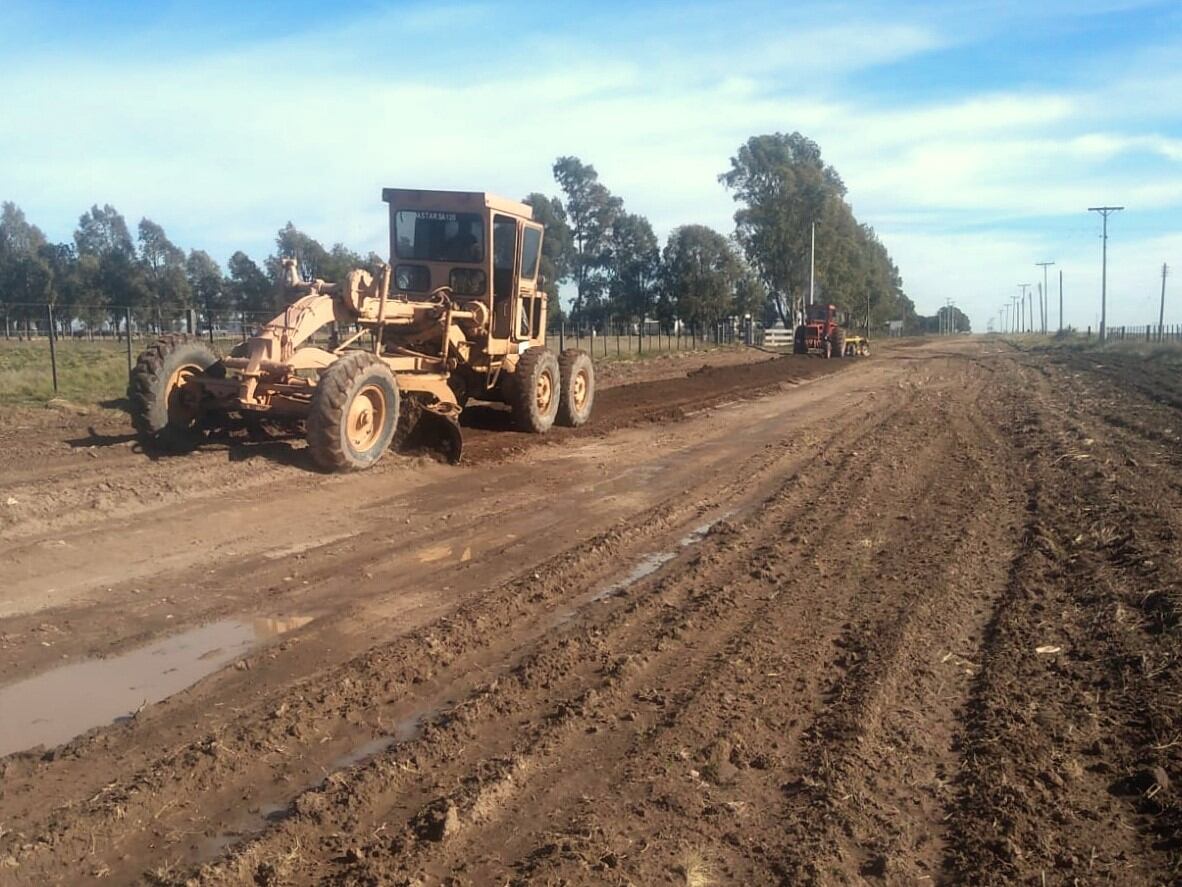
{"x":163,"y":410}
{"x":536,"y":389}
{"x":354,"y":413}
{"x":577,"y":396}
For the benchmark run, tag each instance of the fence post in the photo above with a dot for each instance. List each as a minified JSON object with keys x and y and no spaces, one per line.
{"x":52,"y":346}
{"x":127,"y":334}
{"x":561,"y":335}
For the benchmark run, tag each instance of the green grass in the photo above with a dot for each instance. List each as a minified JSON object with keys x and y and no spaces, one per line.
{"x":88,"y":372}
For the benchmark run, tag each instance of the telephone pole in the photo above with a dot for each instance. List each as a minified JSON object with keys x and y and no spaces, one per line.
{"x":1060,"y":300}
{"x":1046,"y":293}
{"x":1022,"y":313}
{"x":812,"y":261}
{"x":1104,"y":211}
{"x":1161,"y":314}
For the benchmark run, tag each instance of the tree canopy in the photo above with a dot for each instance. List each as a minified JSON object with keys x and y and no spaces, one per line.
{"x":784,"y":188}
{"x":620,"y":272}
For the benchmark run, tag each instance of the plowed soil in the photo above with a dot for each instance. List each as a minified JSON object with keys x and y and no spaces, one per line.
{"x":913,"y":619}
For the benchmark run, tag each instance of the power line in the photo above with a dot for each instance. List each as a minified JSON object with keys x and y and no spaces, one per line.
{"x":1104,"y":211}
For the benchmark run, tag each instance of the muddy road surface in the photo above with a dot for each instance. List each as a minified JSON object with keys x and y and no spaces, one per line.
{"x":907,"y":620}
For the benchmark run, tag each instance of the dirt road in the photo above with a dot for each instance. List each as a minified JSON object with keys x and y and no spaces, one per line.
{"x":907,"y":620}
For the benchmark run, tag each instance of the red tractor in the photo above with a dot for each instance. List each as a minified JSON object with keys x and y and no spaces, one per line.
{"x":820,"y":333}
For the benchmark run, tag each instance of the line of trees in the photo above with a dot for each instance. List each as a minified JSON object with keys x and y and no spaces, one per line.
{"x":783,"y":188}
{"x":94,"y":280}
{"x":619,"y":272}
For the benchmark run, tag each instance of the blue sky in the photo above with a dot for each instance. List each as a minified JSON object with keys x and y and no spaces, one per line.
{"x":973,"y":136}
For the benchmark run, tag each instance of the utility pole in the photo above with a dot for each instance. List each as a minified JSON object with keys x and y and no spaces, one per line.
{"x":1046,"y":293}
{"x":1060,"y":300}
{"x":1022,"y":315}
{"x":1161,"y":314}
{"x":812,"y":262}
{"x":1104,"y":211}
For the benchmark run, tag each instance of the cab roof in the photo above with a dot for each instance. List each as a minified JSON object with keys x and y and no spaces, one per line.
{"x":456,"y":201}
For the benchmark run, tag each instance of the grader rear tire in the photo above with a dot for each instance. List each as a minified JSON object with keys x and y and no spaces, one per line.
{"x":163,"y":411}
{"x":354,"y":413}
{"x":577,"y":394}
{"x":535,"y":391}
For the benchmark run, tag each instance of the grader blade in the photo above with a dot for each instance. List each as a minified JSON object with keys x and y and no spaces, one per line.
{"x":443,"y":433}
{"x":425,"y":430}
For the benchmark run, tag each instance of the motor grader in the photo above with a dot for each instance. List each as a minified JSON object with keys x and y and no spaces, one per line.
{"x":458,"y":313}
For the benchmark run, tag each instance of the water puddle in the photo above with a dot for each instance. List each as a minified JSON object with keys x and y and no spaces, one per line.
{"x":405,"y":729}
{"x":642,"y":569}
{"x":51,"y":708}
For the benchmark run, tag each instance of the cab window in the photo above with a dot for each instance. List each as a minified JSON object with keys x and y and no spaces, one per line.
{"x":504,"y":252}
{"x":531,"y":242}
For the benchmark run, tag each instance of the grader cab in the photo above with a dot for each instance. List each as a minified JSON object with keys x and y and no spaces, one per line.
{"x":458,"y":313}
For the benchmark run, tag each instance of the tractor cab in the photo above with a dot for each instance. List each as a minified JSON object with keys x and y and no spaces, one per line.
{"x":477,"y":248}
{"x":821,"y":314}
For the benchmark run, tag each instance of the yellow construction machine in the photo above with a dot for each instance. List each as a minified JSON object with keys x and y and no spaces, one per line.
{"x":459,"y":312}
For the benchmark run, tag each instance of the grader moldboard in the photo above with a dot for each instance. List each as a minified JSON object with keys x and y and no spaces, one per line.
{"x":459,"y":313}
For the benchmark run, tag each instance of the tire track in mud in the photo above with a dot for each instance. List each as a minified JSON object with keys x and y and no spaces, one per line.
{"x":837,"y":680}
{"x":674,"y":640}
{"x":501,"y":778}
{"x":1086,"y":727}
{"x":873,"y":792}
{"x":233,"y":745}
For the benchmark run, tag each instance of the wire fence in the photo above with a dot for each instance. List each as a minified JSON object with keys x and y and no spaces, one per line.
{"x":1150,"y":332}
{"x":91,"y":362}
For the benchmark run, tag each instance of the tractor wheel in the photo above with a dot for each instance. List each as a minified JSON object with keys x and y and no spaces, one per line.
{"x":577,"y":393}
{"x":163,"y":410}
{"x":536,"y":390}
{"x":837,"y":344}
{"x":799,"y":345}
{"x":864,"y":351}
{"x":354,"y":413}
